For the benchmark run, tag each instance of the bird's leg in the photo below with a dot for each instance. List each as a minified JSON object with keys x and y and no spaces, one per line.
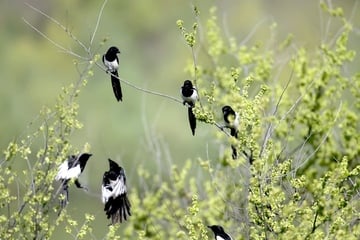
{"x":66,"y":195}
{"x":78,"y":185}
{"x":65,"y":201}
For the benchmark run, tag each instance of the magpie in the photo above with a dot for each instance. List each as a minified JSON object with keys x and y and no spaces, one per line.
{"x":231,"y":119}
{"x":71,"y":168}
{"x":189,"y":95}
{"x":219,"y":233}
{"x":111,"y":62}
{"x":114,"y":193}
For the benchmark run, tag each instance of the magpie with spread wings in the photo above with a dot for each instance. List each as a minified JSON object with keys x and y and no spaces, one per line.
{"x":114,"y":194}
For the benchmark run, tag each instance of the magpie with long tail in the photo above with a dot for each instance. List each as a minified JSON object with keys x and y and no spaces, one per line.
{"x":114,"y":194}
{"x":111,"y":62}
{"x":219,"y":233}
{"x":189,"y":95}
{"x":71,"y":168}
{"x":231,"y":119}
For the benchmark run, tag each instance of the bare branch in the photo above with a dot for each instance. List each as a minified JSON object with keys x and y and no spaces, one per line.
{"x":269,"y":129}
{"x":253,"y":30}
{"x":139,"y":88}
{"x":323,"y":139}
{"x":65,"y":50}
{"x":59,"y":25}
{"x":195,"y":74}
{"x":321,"y":143}
{"x":97,"y":23}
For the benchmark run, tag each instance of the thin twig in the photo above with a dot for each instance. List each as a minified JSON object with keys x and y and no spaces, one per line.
{"x":269,"y":129}
{"x":139,"y":88}
{"x":221,"y":129}
{"x":53,"y":42}
{"x":314,"y":226}
{"x":314,"y":223}
{"x":59,"y":25}
{"x":297,"y":102}
{"x":195,"y":77}
{"x":97,"y":24}
{"x":322,"y":141}
{"x":253,"y":30}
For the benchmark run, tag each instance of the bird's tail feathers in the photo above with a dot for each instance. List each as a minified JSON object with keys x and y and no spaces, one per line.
{"x":234,"y":132}
{"x":234,"y":152}
{"x":124,"y":208}
{"x":192,"y":120}
{"x":115,"y":82}
{"x":118,"y":209}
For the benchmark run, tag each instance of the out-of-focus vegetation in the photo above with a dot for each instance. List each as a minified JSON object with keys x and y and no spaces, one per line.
{"x":249,"y":54}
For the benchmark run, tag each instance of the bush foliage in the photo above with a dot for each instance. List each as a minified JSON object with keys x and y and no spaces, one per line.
{"x":297,"y":176}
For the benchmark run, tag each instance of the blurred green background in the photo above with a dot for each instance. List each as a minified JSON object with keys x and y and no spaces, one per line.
{"x":153,"y":56}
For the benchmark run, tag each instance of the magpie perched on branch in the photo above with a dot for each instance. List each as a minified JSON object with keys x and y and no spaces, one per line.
{"x":231,"y":119}
{"x":71,"y":168}
{"x":111,"y":62}
{"x":219,"y":233}
{"x":114,"y":193}
{"x":189,"y":95}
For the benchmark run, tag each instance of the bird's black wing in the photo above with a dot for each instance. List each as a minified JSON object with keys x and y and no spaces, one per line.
{"x":103,"y":59}
{"x":117,"y":206}
{"x":115,"y":82}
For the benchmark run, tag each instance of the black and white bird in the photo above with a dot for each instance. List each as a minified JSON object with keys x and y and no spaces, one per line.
{"x":231,"y":119}
{"x":189,"y":95}
{"x":111,"y":62}
{"x":71,"y":168}
{"x":219,"y":233}
{"x":114,"y":193}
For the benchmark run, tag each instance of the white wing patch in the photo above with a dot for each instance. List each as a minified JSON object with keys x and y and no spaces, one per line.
{"x":105,"y":193}
{"x":236,"y":121}
{"x":118,"y":187}
{"x":221,"y":238}
{"x":64,"y":173}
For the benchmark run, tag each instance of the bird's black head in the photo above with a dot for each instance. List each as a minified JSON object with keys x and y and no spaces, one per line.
{"x":84,"y":157}
{"x":114,"y":166}
{"x":216,"y":229}
{"x":113,"y":50}
{"x":227,"y":110}
{"x":188,"y":84}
